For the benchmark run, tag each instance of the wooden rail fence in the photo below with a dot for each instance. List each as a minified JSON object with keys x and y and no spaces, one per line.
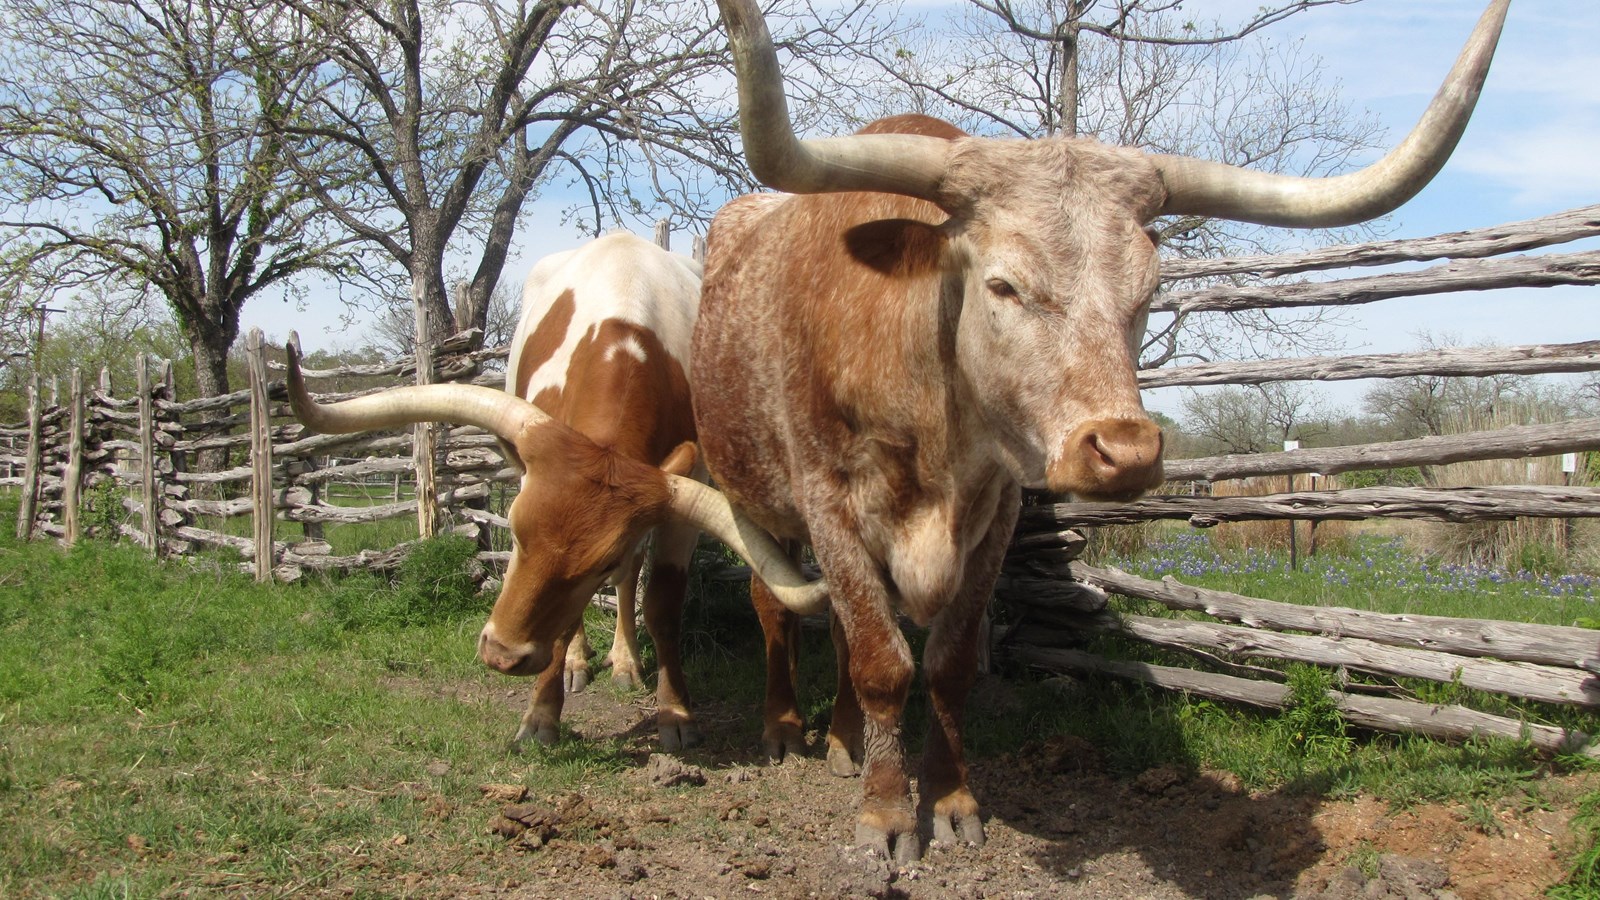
{"x":139,"y":449}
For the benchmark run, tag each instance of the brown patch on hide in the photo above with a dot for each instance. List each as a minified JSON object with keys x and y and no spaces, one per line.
{"x":545,"y":340}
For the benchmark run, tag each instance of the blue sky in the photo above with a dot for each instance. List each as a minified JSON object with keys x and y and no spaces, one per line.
{"x":1533,"y":148}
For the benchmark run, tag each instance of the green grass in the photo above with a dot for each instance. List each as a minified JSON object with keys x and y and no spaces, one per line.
{"x":158,"y":719}
{"x":1583,"y":874}
{"x":160,"y":723}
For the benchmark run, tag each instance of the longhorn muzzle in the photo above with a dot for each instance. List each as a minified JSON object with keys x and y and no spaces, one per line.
{"x":1108,"y":459}
{"x":525,"y":659}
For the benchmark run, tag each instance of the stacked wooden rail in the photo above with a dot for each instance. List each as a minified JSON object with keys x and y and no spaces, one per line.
{"x":144,"y":447}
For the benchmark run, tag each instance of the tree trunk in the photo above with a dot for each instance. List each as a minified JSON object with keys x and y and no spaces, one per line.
{"x":209,"y":342}
{"x":1067,"y":101}
{"x":427,"y":277}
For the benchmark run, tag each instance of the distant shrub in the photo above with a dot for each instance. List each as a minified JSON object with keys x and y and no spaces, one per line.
{"x":435,"y":583}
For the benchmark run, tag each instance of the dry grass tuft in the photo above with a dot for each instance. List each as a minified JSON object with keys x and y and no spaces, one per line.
{"x":1535,"y":545}
{"x":1236,"y":536}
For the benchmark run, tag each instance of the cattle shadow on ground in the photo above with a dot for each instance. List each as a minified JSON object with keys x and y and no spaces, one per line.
{"x":1201,"y":832}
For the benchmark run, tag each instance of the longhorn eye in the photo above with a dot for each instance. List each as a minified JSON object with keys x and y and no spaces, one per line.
{"x":1003,"y":289}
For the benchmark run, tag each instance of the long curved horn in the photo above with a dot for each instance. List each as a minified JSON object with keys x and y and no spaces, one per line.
{"x":497,"y":412}
{"x":891,"y":163}
{"x":1199,"y":187}
{"x":708,"y":508}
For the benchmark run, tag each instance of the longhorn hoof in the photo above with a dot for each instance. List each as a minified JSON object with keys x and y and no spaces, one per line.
{"x":575,"y":679}
{"x":901,"y":848}
{"x":841,"y":763}
{"x":547,"y":735}
{"x":952,"y":829}
{"x":626,"y":678}
{"x":539,"y":724}
{"x":678,"y":736}
{"x":783,"y":743}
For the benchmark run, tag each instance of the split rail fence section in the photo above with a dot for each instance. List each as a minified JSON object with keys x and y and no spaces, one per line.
{"x":145,"y":446}
{"x":140,"y":454}
{"x":1056,"y":601}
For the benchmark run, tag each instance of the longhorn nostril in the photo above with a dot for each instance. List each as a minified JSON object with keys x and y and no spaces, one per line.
{"x":1103,"y":453}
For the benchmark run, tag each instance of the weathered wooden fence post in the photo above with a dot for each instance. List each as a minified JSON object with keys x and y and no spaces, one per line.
{"x":664,"y":234}
{"x":33,"y":467}
{"x":260,"y":455}
{"x":699,"y":251}
{"x":72,"y":478}
{"x":149,"y":517}
{"x":423,"y":443}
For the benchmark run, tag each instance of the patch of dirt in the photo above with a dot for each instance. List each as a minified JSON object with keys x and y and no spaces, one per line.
{"x":717,"y":822}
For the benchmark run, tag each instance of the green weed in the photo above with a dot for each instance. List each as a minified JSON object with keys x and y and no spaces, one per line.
{"x":1583,"y":876}
{"x":1310,"y":725}
{"x":433,"y":584}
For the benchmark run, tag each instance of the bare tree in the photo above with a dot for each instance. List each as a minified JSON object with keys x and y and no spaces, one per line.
{"x":456,"y":112}
{"x":143,"y":155}
{"x":392,"y":332}
{"x":1421,"y":405}
{"x":1253,"y":418}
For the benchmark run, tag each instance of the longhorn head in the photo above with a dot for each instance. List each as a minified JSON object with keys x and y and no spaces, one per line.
{"x":558,"y":560}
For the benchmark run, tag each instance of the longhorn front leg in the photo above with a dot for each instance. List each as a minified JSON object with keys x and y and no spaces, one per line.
{"x":626,"y":673}
{"x":663,"y":617}
{"x":950,"y":665}
{"x":542,"y":720}
{"x":881,"y":670}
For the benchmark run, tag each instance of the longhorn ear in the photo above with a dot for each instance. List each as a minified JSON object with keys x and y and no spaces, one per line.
{"x":508,"y":451}
{"x":681,"y":460}
{"x":896,"y":247}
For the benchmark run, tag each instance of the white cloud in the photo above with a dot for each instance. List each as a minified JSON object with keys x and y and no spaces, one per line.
{"x":1547,"y":167}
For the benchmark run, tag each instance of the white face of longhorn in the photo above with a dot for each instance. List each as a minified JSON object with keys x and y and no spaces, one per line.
{"x":1053,"y":288}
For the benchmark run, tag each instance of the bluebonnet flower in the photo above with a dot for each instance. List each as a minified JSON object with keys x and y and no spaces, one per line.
{"x":1381,"y":564}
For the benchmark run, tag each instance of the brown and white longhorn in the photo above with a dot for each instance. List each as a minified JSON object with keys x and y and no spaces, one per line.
{"x":927,"y":324}
{"x":596,"y":415}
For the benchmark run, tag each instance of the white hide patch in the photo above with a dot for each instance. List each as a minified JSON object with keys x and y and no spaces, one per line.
{"x":925,"y":564}
{"x":620,"y":276}
{"x":629,"y":345}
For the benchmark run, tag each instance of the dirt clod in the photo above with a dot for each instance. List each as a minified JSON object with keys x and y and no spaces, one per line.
{"x":503,"y":793}
{"x":666,"y":771}
{"x":1159,"y":780}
